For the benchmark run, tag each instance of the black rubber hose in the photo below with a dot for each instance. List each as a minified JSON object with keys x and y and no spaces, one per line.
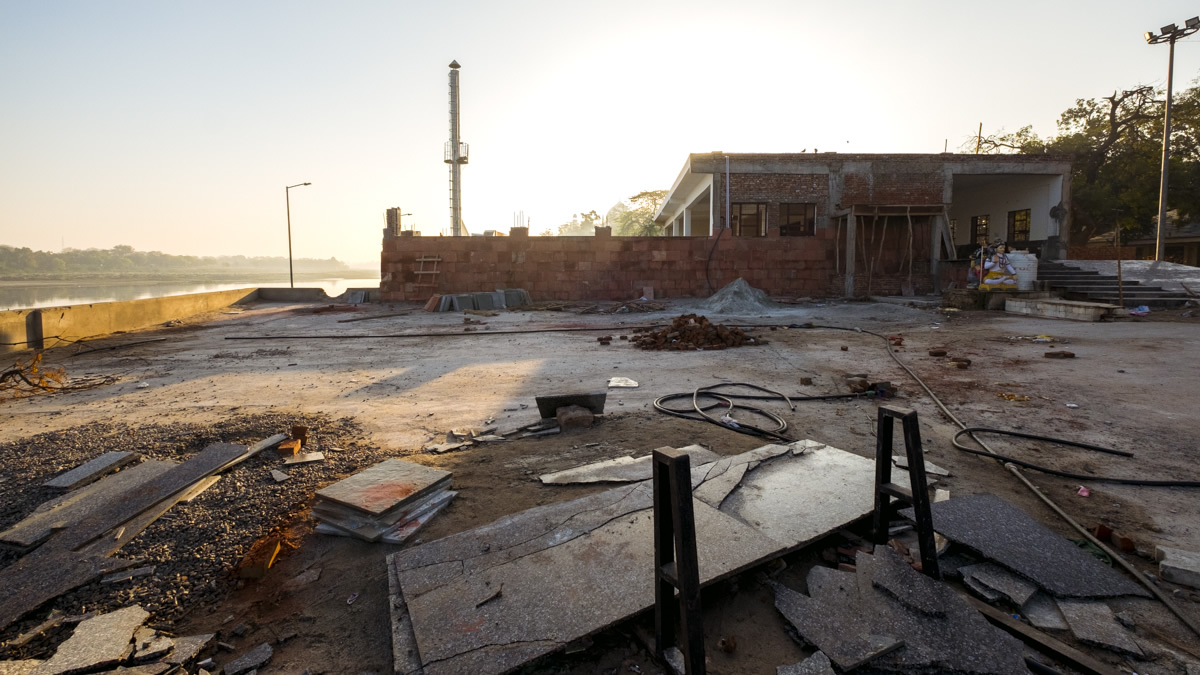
{"x":708,"y":263}
{"x":1066,"y":474}
{"x":699,"y":412}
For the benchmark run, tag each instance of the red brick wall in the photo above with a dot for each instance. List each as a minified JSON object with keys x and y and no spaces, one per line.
{"x":616,"y":268}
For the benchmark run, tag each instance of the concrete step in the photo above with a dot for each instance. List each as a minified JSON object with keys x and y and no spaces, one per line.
{"x":1153,"y":303}
{"x":1073,"y":275}
{"x":1094,"y":283}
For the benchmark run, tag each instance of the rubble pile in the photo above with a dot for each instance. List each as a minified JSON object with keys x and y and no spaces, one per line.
{"x":738,"y":297}
{"x":690,"y":332}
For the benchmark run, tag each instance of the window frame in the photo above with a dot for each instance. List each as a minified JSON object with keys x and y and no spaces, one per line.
{"x":978,"y":222}
{"x":737,"y":210}
{"x":807,"y":227}
{"x":1014,"y":218}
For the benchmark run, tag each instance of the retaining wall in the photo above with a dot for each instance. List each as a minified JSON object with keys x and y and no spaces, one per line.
{"x":618,"y":268}
{"x":73,"y":322}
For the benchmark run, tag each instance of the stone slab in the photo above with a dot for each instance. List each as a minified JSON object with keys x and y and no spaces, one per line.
{"x":1011,"y":587}
{"x":305,"y":458}
{"x":90,"y":471}
{"x":1007,"y":535}
{"x":850,"y":641}
{"x":68,"y":509}
{"x":1042,"y":612}
{"x":817,"y":664}
{"x":1178,"y":566}
{"x":548,"y":405}
{"x":930,"y":468}
{"x":97,"y":642}
{"x":622,"y":469}
{"x":385,"y":486}
{"x":19,"y":667}
{"x":570,"y":569}
{"x":1092,"y":622}
{"x":149,"y":645}
{"x":402,"y":531}
{"x":145,"y":669}
{"x":355,"y":523}
{"x":187,"y":648}
{"x":251,"y":660}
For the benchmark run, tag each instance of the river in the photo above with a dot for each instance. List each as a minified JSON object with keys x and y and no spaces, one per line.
{"x":29,"y":295}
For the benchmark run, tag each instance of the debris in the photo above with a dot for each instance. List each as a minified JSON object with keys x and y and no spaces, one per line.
{"x":1008,"y":536}
{"x":1042,"y":612}
{"x":738,"y":297}
{"x":149,"y":645}
{"x":289,"y":447}
{"x":817,"y":664}
{"x":622,"y":469}
{"x":544,"y":432}
{"x":1072,"y":406}
{"x":143,"y":385}
{"x":300,"y":433}
{"x":305,"y":458}
{"x":621,"y":382}
{"x":858,"y":385}
{"x":1083,"y":492}
{"x":845,"y":348}
{"x":350,"y":600}
{"x":97,"y":642}
{"x":1013,"y":397}
{"x":91,"y":471}
{"x":689,"y":332}
{"x":1140,"y":310}
{"x":902,"y":462}
{"x":1178,"y":566}
{"x":439,"y":448}
{"x":380,"y":501}
{"x":806,"y":381}
{"x":259,"y":558}
{"x":548,"y":405}
{"x":1009,"y":586}
{"x":401,"y":531}
{"x":573,"y":416}
{"x":1092,"y":622}
{"x":279,"y":476}
{"x":252,"y":660}
{"x":937,"y":352}
{"x":1059,"y":354}
{"x":188,"y":648}
{"x":130,"y":574}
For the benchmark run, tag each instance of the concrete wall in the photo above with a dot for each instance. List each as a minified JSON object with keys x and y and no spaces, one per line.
{"x":617,"y":268}
{"x":76,"y":322}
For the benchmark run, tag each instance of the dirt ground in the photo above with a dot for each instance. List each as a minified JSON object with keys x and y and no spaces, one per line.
{"x":1131,"y":385}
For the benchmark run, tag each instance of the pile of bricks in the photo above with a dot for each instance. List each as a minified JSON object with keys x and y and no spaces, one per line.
{"x":690,"y":332}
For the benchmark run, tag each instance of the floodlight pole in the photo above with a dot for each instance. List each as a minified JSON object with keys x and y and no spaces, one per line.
{"x":287,"y":197}
{"x":1169,"y":35}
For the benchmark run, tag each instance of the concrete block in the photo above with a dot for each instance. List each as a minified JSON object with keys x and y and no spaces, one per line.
{"x":1178,"y":566}
{"x":1059,"y":309}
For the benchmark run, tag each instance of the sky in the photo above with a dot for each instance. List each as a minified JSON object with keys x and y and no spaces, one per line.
{"x":175,"y":126}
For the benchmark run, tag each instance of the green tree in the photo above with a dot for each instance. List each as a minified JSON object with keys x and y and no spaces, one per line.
{"x":1115,"y":145}
{"x":637,"y":218}
{"x":581,"y":225}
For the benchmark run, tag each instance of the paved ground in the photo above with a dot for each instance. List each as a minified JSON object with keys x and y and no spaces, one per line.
{"x":1132,"y":382}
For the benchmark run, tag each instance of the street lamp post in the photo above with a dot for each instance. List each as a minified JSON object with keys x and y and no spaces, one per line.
{"x":1169,"y":34}
{"x":287,"y":197}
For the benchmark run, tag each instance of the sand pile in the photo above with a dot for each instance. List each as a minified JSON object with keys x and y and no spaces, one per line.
{"x":738,"y":297}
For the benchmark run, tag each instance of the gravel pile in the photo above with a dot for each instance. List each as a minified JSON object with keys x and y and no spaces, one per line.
{"x":194,"y":547}
{"x":738,"y":297}
{"x":690,"y":332}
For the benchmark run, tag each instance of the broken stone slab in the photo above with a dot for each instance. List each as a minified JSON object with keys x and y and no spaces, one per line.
{"x":1178,"y":566}
{"x":817,"y":664}
{"x":252,"y":660}
{"x":1007,"y":535}
{"x":305,"y":458}
{"x":982,"y":590}
{"x":849,"y":642}
{"x":1092,"y":622}
{"x":623,"y":469}
{"x":1007,"y":585}
{"x":150,"y":645}
{"x":1042,"y":612}
{"x":97,"y":642}
{"x":279,"y":476}
{"x":930,"y":468}
{"x":439,"y":448}
{"x":622,"y":383}
{"x":128,"y":574}
{"x":385,"y":486}
{"x":548,"y":405}
{"x":572,"y":568}
{"x":25,"y":667}
{"x":198,"y":489}
{"x":90,"y":471}
{"x":145,"y":669}
{"x":188,"y":648}
{"x":402,"y":531}
{"x":346,"y":521}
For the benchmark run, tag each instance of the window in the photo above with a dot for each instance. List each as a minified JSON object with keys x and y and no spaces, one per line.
{"x":979,"y":230}
{"x":749,"y":220}
{"x":1018,"y":225}
{"x":954,"y":230}
{"x":797,"y":220}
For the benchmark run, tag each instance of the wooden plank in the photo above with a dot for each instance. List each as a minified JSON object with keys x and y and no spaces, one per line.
{"x":91,"y":471}
{"x":60,"y":512}
{"x":1040,"y":641}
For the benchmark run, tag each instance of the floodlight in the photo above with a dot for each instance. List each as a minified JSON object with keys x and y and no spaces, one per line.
{"x":1192,"y":22}
{"x":1149,"y":36}
{"x":1170,"y":28}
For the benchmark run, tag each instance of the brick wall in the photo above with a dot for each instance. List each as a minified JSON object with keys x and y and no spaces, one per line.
{"x":775,"y":189}
{"x":616,"y":268}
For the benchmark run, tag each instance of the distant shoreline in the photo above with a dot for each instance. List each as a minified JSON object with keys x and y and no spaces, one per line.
{"x":248,"y":277}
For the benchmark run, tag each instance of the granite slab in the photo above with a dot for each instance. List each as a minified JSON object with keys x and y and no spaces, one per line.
{"x":852,"y":639}
{"x":97,"y":642}
{"x":1042,"y":612}
{"x":1093,"y":622}
{"x":251,"y":660}
{"x":817,"y":664}
{"x":384,"y":486}
{"x":91,"y":470}
{"x":1007,"y":535}
{"x":24,"y":667}
{"x":188,"y":648}
{"x":68,"y":509}
{"x":622,"y":469}
{"x":1009,"y":586}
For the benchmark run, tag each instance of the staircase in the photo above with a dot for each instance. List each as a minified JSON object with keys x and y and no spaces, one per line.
{"x":1090,"y":286}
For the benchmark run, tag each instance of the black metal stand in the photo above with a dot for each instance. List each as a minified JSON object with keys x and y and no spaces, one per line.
{"x":676,"y":620}
{"x":916,"y":494}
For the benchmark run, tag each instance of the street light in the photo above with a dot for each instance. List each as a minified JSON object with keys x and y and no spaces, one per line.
{"x":1169,"y":34}
{"x":288,"y":199}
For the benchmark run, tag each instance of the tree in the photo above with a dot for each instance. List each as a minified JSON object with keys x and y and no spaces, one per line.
{"x":581,"y":225}
{"x":637,"y":218}
{"x":1115,"y":145}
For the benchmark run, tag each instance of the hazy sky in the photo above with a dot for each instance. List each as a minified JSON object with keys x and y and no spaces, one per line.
{"x":175,"y":126}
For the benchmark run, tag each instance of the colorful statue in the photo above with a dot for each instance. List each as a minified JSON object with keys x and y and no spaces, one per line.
{"x":998,"y":272}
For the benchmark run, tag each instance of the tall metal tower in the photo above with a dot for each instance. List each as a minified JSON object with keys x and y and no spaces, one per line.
{"x":455,"y":156}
